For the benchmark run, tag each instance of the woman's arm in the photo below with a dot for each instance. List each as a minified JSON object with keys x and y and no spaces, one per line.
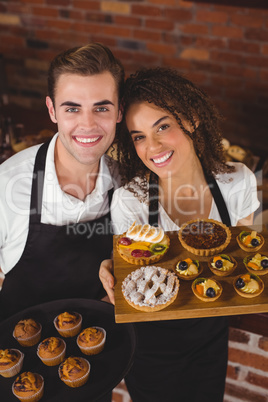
{"x":246,"y":221}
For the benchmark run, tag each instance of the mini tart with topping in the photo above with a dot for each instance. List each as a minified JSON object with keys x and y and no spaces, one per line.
{"x":222,"y":264}
{"x":248,"y":285}
{"x":204,"y":237}
{"x":257,"y":264}
{"x":188,"y":269}
{"x":250,"y":241}
{"x":207,"y":290}
{"x":143,"y":244}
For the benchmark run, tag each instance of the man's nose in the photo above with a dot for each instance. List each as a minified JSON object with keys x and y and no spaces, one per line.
{"x":87,"y":120}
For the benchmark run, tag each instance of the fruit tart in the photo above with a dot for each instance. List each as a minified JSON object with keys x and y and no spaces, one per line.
{"x":204,"y":237}
{"x":248,"y":285}
{"x":143,"y":244}
{"x":257,"y":264}
{"x":150,"y":288}
{"x":207,"y":290}
{"x":222,"y":264}
{"x":188,"y":269}
{"x":250,"y":241}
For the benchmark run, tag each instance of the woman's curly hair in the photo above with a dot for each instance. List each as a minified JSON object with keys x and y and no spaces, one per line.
{"x":165,"y":88}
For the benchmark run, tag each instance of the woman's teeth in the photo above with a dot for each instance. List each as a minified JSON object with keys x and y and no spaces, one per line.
{"x":163,"y":158}
{"x":87,"y":140}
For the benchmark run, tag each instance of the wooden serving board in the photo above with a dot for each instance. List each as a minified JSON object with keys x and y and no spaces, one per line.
{"x":187,"y":305}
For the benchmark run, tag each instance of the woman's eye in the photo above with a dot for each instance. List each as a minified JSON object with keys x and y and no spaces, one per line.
{"x":163,"y":127}
{"x":137,"y":138}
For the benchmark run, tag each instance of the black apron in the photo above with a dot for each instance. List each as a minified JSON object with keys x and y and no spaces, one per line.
{"x":58,"y":262}
{"x":180,"y":360}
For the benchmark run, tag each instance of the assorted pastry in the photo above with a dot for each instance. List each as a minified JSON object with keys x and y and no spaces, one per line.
{"x":222,"y":264}
{"x":27,"y":332}
{"x":257,"y":264}
{"x":143,"y":244}
{"x":91,"y":340}
{"x":204,"y":237}
{"x":250,"y":241}
{"x":206,"y":289}
{"x":150,"y":288}
{"x":248,"y":285}
{"x":74,"y":371}
{"x":188,"y":269}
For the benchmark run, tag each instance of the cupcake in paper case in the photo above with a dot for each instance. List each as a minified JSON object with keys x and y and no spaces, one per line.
{"x":91,"y":341}
{"x":74,"y":371}
{"x":27,"y":332}
{"x":51,"y":351}
{"x":28,"y":387}
{"x":68,"y":324}
{"x":11,"y":361}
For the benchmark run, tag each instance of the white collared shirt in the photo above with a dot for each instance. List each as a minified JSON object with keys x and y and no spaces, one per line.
{"x":58,"y":207}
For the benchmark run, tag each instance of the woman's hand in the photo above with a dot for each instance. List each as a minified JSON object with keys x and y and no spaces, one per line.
{"x":107,"y":279}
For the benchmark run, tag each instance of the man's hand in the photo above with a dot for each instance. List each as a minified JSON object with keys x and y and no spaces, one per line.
{"x":107,"y":279}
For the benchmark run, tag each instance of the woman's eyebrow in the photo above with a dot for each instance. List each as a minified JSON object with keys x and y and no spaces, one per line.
{"x":154,"y":125}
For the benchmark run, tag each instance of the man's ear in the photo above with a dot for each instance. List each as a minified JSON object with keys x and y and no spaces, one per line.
{"x":120,"y":114}
{"x":51,"y":109}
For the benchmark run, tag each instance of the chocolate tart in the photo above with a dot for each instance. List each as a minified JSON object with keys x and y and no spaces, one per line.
{"x":215,"y":285}
{"x":186,"y":273}
{"x":255,"y":266}
{"x":204,"y":237}
{"x":249,"y":248}
{"x":225,"y":269}
{"x":244,"y":293}
{"x":150,"y":288}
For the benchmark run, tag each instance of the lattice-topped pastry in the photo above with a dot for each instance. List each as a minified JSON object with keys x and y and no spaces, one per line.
{"x":150,"y":288}
{"x":143,"y":244}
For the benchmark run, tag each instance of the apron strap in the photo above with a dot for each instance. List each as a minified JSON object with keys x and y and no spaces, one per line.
{"x":38,"y":183}
{"x":218,"y":198}
{"x":153,"y":199}
{"x":213,"y":186}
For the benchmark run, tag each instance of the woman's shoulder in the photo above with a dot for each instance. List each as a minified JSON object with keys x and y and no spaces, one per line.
{"x":240,"y":172}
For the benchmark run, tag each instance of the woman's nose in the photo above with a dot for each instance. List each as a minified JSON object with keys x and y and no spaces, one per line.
{"x":154,"y":143}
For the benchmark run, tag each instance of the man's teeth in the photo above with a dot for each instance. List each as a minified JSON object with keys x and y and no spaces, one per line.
{"x":87,"y":140}
{"x":163,"y":158}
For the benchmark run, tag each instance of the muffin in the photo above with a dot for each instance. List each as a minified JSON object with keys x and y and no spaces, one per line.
{"x":257,"y":264}
{"x":250,"y":241}
{"x":222,"y":265}
{"x":11,"y":361}
{"x":207,"y":290}
{"x":143,"y":244}
{"x":248,"y":285}
{"x":27,"y":332}
{"x":188,"y":269}
{"x":28,"y":387}
{"x":74,"y":371}
{"x":204,"y":237}
{"x":68,"y":324}
{"x":51,"y":351}
{"x":150,"y":288}
{"x":91,"y":340}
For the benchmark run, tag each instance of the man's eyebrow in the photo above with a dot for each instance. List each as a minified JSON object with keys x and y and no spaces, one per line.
{"x":154,"y":125}
{"x":100,"y":103}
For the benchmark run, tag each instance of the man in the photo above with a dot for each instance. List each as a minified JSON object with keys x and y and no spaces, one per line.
{"x":54,"y":201}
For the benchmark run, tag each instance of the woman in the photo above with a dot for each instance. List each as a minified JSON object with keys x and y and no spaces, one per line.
{"x":171,"y":159}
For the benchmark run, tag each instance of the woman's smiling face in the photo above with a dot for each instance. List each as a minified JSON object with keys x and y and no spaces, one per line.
{"x":158,"y":139}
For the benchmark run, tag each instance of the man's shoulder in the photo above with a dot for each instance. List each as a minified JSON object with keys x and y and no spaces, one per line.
{"x":112,"y":166}
{"x":22,"y":161}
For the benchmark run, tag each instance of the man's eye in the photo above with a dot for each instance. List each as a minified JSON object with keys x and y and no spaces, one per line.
{"x":102,"y":109}
{"x":72,"y":109}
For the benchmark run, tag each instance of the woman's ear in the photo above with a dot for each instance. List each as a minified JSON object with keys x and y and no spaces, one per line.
{"x":51,"y":109}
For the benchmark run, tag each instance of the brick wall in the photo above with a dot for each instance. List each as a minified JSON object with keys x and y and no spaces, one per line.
{"x":224,"y":49}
